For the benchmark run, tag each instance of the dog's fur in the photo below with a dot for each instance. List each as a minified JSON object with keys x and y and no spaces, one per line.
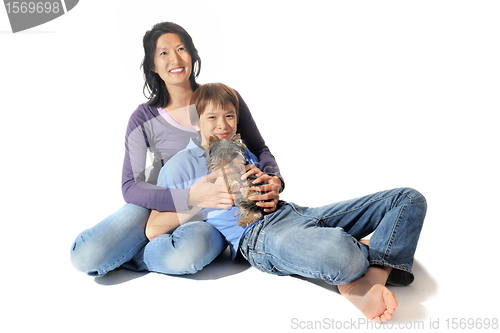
{"x":220,"y":156}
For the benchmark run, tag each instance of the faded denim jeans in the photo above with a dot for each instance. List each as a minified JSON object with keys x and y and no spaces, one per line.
{"x":120,"y":241}
{"x":323,"y":243}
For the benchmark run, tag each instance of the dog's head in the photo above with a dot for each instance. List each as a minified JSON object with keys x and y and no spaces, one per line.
{"x":228,"y":156}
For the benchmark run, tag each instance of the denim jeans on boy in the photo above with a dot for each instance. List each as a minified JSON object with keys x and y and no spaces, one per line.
{"x":119,"y":240}
{"x":322,"y":243}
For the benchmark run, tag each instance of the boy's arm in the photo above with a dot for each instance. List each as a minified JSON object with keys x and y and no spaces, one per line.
{"x":160,"y":223}
{"x":175,"y":174}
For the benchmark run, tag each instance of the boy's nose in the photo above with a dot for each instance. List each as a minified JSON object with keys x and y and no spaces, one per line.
{"x":222,"y":123}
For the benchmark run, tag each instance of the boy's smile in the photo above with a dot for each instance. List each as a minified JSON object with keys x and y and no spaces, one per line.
{"x":218,"y":122}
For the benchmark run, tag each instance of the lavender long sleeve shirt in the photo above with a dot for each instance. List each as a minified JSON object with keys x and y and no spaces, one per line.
{"x":151,"y":136}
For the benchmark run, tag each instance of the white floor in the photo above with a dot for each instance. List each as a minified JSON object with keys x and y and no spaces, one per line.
{"x":351,"y":97}
{"x":455,"y":281}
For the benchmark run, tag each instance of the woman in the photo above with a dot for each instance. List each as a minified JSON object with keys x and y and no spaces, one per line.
{"x":162,"y":127}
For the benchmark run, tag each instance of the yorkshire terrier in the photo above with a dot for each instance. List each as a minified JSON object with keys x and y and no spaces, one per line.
{"x":229,"y":157}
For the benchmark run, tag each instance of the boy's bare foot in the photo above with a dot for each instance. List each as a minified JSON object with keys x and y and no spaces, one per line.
{"x":365,"y":241}
{"x":370,"y":295}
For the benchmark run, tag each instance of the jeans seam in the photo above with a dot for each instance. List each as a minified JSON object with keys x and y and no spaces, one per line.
{"x":255,"y":235}
{"x":348,"y":211}
{"x":315,"y":273}
{"x":360,"y":207}
{"x":391,"y":239}
{"x":407,"y":195}
{"x":115,"y":264}
{"x":385,"y":263}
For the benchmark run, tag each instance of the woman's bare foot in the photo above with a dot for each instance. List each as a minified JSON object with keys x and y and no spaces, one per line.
{"x":370,"y":295}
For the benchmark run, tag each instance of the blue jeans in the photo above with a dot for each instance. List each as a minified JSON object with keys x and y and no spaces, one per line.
{"x":322,"y":243}
{"x":119,"y":240}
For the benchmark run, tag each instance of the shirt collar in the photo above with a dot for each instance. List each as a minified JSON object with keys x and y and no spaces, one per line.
{"x":194,"y":147}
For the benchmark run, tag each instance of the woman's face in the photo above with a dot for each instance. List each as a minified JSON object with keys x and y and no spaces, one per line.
{"x":172,"y":60}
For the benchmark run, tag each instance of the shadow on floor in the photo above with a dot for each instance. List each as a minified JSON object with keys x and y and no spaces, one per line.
{"x":410,"y":299}
{"x":221,"y":267}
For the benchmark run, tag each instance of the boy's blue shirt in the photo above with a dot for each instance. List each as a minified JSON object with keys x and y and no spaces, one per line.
{"x":184,"y":170}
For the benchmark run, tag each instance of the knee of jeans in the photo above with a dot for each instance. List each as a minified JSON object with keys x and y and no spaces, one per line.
{"x":87,"y":257}
{"x":350,"y":258}
{"x":415,"y":196}
{"x":197,"y":246}
{"x":181,"y":261}
{"x":353,"y":268}
{"x":178,"y":263}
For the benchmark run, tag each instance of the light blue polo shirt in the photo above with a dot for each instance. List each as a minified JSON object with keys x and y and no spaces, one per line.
{"x":184,"y":170}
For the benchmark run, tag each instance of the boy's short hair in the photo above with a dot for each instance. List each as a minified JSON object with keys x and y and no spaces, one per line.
{"x":217,"y":94}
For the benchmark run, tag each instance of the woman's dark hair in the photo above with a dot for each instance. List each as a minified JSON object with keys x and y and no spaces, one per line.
{"x":158,"y":93}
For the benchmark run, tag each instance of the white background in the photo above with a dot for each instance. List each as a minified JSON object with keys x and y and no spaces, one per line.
{"x":352,"y":97}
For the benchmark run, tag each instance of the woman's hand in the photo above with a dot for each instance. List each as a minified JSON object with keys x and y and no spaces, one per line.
{"x":210,"y":191}
{"x":272,"y":188}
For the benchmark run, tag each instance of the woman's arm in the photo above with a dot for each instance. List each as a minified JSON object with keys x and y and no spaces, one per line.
{"x":160,"y":223}
{"x":270,"y":170}
{"x":135,"y":189}
{"x":255,"y":143}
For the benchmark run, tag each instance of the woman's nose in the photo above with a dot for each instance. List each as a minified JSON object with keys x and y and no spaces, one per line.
{"x":174,"y":58}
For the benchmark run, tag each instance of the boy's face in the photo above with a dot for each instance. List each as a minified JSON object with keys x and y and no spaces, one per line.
{"x":218,"y":122}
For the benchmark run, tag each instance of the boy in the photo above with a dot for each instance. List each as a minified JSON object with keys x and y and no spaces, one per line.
{"x":319,"y":243}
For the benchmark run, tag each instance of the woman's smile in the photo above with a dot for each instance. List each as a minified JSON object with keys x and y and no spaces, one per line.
{"x":177,"y":70}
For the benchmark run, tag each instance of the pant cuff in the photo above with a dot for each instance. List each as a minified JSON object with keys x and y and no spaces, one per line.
{"x":400,"y":276}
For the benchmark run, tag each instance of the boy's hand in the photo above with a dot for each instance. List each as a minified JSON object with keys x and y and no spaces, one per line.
{"x":270,"y":199}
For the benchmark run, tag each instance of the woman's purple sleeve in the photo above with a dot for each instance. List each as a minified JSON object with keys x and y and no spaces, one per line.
{"x":254,"y":141}
{"x":135,"y":189}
